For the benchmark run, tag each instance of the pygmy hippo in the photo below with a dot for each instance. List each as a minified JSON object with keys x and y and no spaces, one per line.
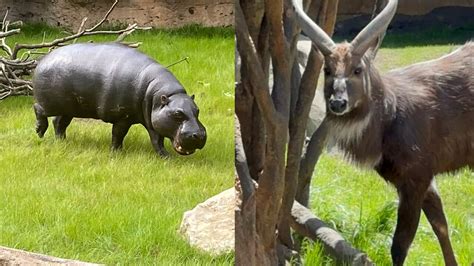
{"x":118,"y":85}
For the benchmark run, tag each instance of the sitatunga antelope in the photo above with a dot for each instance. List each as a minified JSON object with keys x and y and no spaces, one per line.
{"x":408,"y":124}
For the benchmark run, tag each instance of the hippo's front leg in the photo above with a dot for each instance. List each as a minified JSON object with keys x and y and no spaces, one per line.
{"x":119,"y":130}
{"x":158,"y":143}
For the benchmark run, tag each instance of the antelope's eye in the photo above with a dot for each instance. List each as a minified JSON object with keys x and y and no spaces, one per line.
{"x":327,"y":71}
{"x":358,"y":70}
{"x":178,"y":114}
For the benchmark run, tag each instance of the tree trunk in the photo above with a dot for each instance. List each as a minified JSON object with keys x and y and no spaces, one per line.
{"x":271,"y":128}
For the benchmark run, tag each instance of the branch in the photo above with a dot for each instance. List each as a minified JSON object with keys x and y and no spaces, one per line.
{"x":306,"y":224}
{"x":83,"y":22}
{"x":327,"y":18}
{"x":86,"y":32}
{"x":4,"y":21}
{"x":17,"y":63}
{"x":307,"y":164}
{"x":256,"y":75}
{"x":15,"y":81}
{"x":241,"y":166}
{"x":105,"y":17}
{"x":8,"y":33}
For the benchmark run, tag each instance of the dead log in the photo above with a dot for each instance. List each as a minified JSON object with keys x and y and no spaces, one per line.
{"x":304,"y":222}
{"x":10,"y":256}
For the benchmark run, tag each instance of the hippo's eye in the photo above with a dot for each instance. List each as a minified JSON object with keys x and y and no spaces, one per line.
{"x":178,"y":114}
{"x":197,"y":112}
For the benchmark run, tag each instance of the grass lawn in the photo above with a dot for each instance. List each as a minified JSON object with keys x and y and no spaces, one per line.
{"x":363,"y":207}
{"x":77,"y":199}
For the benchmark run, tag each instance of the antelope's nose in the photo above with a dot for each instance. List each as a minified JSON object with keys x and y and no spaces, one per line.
{"x":337,"y":106}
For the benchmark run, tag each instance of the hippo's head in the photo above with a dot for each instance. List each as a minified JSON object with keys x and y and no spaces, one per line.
{"x":176,"y":117}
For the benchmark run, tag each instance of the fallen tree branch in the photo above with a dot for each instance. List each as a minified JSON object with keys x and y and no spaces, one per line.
{"x":10,"y":256}
{"x":304,"y":222}
{"x":9,"y":33}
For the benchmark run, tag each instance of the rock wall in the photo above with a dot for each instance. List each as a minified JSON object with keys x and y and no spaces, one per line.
{"x":157,"y":13}
{"x":405,"y":7}
{"x":177,"y":13}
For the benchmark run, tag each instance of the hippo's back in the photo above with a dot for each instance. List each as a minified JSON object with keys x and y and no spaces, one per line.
{"x":104,"y":81}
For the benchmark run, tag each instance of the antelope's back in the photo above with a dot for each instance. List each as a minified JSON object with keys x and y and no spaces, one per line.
{"x":438,"y":96}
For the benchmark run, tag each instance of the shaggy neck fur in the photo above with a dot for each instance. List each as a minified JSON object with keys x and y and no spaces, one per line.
{"x":359,"y":133}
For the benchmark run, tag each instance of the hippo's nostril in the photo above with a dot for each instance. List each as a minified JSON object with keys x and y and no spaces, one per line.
{"x":195,"y":135}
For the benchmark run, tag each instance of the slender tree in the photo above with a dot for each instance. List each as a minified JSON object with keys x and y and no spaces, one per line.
{"x":271,"y":125}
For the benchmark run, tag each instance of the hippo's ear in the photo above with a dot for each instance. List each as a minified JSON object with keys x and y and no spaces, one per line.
{"x":192,"y":97}
{"x":164,"y":100}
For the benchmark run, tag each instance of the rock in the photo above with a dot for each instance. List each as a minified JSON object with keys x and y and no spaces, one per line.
{"x":210,"y":226}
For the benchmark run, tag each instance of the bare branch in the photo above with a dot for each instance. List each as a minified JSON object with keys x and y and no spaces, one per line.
{"x":15,"y":81}
{"x":105,"y":17}
{"x":83,"y":22}
{"x":17,"y":63}
{"x":241,"y":166}
{"x":2,"y":68}
{"x":4,"y":21}
{"x":86,"y":32}
{"x":248,"y":53}
{"x":8,"y":33}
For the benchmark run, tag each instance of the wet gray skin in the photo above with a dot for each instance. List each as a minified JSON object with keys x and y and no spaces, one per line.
{"x":118,"y":85}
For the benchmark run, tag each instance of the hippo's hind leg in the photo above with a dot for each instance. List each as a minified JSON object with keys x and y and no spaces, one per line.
{"x":60,"y":124}
{"x":119,"y":130}
{"x":41,"y":120}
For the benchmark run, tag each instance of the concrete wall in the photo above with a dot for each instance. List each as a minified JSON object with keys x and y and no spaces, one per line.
{"x":157,"y":13}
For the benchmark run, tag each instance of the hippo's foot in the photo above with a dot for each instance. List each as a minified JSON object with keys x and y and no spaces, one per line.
{"x":60,"y":124}
{"x":163,"y":153}
{"x":41,"y":120}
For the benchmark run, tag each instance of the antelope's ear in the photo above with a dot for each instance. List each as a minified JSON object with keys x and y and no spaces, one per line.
{"x":192,"y":97}
{"x":164,"y":100}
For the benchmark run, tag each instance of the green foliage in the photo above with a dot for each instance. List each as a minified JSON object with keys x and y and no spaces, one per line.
{"x":77,"y":199}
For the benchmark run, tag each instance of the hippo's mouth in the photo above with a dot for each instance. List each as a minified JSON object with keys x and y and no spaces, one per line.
{"x":180,"y":149}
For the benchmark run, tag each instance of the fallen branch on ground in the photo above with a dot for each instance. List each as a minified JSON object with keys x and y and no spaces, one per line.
{"x":305,"y":223}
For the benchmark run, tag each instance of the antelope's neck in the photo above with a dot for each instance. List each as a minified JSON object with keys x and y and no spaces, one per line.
{"x":360,"y":136}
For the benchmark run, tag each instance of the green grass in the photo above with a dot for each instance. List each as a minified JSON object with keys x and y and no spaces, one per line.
{"x":77,"y":199}
{"x":362,"y":205}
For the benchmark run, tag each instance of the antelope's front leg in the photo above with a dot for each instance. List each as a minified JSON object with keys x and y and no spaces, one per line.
{"x":411,"y":194}
{"x":433,"y":209}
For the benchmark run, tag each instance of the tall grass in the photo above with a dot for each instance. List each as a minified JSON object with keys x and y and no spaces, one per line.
{"x":77,"y":199}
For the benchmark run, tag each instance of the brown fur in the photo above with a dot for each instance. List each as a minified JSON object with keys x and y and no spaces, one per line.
{"x":411,"y":124}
